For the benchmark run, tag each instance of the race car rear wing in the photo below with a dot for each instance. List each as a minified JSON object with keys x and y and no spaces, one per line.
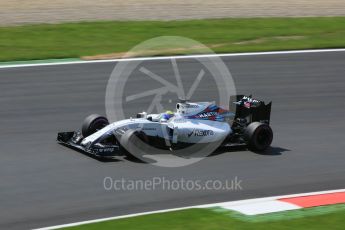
{"x":252,"y":110}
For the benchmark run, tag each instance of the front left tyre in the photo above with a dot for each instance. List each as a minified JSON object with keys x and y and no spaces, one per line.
{"x":93,"y":123}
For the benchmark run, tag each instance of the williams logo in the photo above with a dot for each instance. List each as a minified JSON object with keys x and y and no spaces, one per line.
{"x":200,"y":133}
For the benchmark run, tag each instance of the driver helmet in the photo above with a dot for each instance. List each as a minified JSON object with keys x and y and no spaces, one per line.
{"x":167,"y":115}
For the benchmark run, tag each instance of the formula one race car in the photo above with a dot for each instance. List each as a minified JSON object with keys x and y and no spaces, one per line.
{"x":191,"y":124}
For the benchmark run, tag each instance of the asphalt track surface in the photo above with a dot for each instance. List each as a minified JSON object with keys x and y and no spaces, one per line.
{"x":44,"y":183}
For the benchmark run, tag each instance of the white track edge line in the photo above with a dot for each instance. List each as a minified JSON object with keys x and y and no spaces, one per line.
{"x":170,"y":57}
{"x":188,"y":207}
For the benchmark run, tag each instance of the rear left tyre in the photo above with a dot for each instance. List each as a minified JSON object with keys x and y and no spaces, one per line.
{"x":258,"y":136}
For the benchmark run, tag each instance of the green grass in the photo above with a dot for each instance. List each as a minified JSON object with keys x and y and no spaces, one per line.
{"x":205,"y":219}
{"x":73,"y":40}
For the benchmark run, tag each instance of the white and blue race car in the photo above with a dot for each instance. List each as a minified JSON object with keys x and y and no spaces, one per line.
{"x":196,"y":123}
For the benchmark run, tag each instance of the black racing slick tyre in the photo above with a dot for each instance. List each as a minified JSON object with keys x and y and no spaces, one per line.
{"x":258,"y":136}
{"x":93,"y":123}
{"x":133,"y":137}
{"x":133,"y":142}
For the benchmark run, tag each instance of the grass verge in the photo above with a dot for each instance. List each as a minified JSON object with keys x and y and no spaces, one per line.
{"x":74,"y":40}
{"x":328,"y":217}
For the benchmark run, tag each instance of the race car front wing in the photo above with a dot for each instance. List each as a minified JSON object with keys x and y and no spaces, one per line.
{"x":73,"y":140}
